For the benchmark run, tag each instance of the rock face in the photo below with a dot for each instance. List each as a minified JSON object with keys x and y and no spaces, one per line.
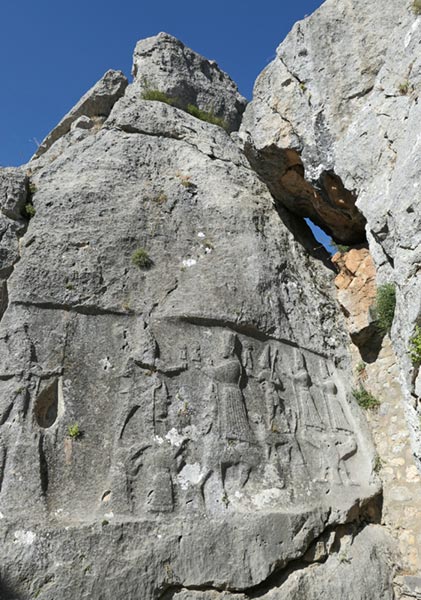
{"x":356,"y":285}
{"x":14,"y":194}
{"x":341,"y":97}
{"x":176,"y":415}
{"x":92,"y":109}
{"x":165,"y":64}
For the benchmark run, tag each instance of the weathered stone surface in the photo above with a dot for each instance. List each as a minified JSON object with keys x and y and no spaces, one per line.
{"x":14,"y":194}
{"x":369,"y":553}
{"x":325,"y":201}
{"x":409,"y":587}
{"x":343,"y":94}
{"x":181,"y":422}
{"x":97,"y":102}
{"x":379,"y":375}
{"x":356,"y":285}
{"x":164,"y":63}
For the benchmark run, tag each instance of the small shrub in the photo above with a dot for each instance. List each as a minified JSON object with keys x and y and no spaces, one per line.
{"x":404,"y":88}
{"x":365,"y":399}
{"x":157,"y":96}
{"x":29,"y":211}
{"x":203,"y":115}
{"x":339,"y":247}
{"x":378,"y":463}
{"x":73,"y":431}
{"x":32,"y":188}
{"x":384,"y":307}
{"x":141,"y":259}
{"x":416,"y":7}
{"x":415,"y":346}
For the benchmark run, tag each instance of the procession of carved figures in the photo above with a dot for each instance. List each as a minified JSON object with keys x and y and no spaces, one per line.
{"x":249,"y":414}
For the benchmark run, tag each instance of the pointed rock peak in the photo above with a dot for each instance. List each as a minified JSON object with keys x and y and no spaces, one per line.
{"x":97,"y":102}
{"x":163,"y":64}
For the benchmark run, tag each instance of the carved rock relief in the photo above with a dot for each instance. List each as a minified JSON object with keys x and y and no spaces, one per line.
{"x":200,"y":418}
{"x":227,"y":422}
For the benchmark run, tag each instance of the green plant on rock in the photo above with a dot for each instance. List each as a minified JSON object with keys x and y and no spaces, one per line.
{"x":73,"y":431}
{"x":32,"y":188}
{"x":141,"y":259}
{"x":203,"y":115}
{"x":404,"y":88}
{"x":339,"y":247}
{"x":378,"y":463}
{"x":384,"y":306}
{"x":415,"y":346}
{"x":365,"y":399}
{"x":416,"y":7}
{"x":158,"y":96}
{"x":28,"y":211}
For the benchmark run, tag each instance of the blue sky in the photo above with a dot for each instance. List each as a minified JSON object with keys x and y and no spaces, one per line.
{"x":51,"y":52}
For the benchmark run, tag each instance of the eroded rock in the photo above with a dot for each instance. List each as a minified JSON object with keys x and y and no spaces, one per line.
{"x":175,"y":393}
{"x":343,"y":94}
{"x":96,"y":103}
{"x":165,"y":64}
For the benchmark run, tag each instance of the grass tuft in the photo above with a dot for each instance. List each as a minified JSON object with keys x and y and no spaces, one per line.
{"x":203,"y":115}
{"x":141,"y":259}
{"x":415,"y":346}
{"x":384,"y":307}
{"x":365,"y":399}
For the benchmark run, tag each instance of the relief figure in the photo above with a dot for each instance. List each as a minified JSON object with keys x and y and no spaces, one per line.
{"x":232,"y":445}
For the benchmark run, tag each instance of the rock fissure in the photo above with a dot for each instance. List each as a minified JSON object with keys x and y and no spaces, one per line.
{"x":246,"y":329}
{"x":83,"y":309}
{"x":15,"y":197}
{"x":332,"y":544}
{"x":179,"y":137}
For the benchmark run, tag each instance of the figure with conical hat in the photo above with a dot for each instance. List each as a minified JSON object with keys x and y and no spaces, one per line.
{"x":233,"y":443}
{"x":233,"y":420}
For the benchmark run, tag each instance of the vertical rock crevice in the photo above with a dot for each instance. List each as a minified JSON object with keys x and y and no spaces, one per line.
{"x":15,"y":198}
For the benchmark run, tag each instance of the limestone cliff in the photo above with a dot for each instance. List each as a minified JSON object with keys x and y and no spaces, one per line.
{"x":176,"y":410}
{"x":342,"y":99}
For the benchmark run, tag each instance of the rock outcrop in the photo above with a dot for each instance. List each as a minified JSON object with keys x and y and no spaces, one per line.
{"x":164,"y":64}
{"x":91,"y":110}
{"x":176,"y":409}
{"x":342,"y":98}
{"x":356,"y":285}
